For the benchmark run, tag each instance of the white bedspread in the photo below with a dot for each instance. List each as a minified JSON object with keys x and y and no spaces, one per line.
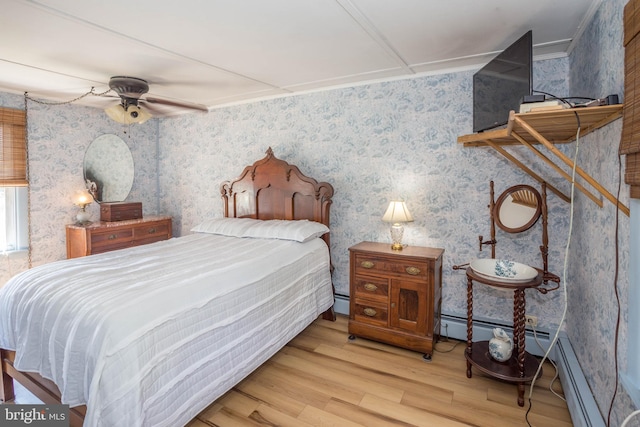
{"x":149,"y":336}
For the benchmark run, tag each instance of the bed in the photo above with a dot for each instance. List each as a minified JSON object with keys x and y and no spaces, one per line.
{"x":151,"y":335}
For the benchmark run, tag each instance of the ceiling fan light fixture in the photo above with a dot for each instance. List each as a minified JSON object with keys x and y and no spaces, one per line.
{"x":127,"y":115}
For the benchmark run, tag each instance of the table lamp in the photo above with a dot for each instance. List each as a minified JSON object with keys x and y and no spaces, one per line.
{"x":396,"y":214}
{"x":82,"y":198}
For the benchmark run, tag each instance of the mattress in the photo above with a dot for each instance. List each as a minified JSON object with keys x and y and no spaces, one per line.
{"x":150,"y":335}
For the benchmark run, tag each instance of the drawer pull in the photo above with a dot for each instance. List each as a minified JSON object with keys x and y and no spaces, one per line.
{"x":367,"y":264}
{"x":370,"y":287}
{"x":152,"y":230}
{"x":369,"y":312}
{"x":113,"y":236}
{"x":414,"y":271}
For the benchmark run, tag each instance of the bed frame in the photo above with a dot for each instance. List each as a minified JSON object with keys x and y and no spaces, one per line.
{"x":273,"y":189}
{"x":268,"y":189}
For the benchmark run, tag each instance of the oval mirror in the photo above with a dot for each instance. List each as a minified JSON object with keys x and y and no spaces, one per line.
{"x":518,"y":208}
{"x":108,"y":169}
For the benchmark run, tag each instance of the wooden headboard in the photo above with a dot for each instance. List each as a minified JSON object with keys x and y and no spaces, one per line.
{"x":273,"y":189}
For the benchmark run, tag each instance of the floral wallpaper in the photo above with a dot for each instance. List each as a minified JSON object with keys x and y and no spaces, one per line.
{"x":58,"y":137}
{"x":597,"y":70}
{"x":375,"y":143}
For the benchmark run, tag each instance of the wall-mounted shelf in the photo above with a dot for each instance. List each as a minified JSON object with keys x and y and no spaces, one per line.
{"x":549,"y":128}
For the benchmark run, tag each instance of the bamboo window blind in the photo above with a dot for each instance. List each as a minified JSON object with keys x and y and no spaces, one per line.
{"x":630,"y":143}
{"x":13,"y":148}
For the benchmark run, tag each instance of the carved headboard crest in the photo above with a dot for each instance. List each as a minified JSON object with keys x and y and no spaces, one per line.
{"x":271,"y":188}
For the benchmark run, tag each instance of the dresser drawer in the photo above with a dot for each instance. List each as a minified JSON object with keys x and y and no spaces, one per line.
{"x":369,"y":312}
{"x":367,"y":264}
{"x":111,"y":237}
{"x":111,"y":247}
{"x":151,"y":231}
{"x":371,"y":288}
{"x":98,"y":237}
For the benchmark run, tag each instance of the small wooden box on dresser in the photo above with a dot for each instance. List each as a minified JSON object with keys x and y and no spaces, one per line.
{"x":104,"y":236}
{"x":396,"y":296}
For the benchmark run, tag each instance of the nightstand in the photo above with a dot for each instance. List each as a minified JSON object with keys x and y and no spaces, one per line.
{"x":395,"y":296}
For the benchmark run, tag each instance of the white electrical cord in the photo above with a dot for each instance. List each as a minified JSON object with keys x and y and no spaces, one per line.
{"x":564,"y":270}
{"x":555,"y":377}
{"x":631,"y":415}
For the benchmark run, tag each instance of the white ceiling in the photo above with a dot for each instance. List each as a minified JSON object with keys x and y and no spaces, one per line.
{"x":220,"y":52}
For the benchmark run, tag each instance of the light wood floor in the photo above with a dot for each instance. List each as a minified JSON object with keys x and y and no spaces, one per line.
{"x":323,"y":379}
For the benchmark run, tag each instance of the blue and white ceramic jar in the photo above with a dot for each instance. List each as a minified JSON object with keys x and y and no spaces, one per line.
{"x":500,"y":346}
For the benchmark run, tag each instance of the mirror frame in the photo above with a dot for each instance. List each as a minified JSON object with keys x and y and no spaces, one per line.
{"x":504,"y":197}
{"x":124,"y":157}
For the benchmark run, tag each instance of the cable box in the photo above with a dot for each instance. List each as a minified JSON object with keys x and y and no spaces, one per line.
{"x":532,"y":98}
{"x":551,"y":104}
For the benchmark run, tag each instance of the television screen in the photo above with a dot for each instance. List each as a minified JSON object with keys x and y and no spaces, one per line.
{"x":501,"y":84}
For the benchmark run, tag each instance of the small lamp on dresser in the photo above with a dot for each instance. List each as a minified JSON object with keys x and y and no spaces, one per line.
{"x":82,"y":198}
{"x":397,"y":213}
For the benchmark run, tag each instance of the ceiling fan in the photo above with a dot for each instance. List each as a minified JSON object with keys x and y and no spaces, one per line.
{"x":130,"y":90}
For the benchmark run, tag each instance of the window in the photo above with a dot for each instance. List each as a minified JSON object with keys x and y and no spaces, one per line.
{"x":14,"y":234}
{"x":13,"y":214}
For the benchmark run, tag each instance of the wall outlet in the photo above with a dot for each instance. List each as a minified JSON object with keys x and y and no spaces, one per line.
{"x":530,"y":320}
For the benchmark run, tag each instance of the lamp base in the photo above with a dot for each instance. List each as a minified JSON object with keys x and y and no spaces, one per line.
{"x":83,"y":217}
{"x":397,"y":230}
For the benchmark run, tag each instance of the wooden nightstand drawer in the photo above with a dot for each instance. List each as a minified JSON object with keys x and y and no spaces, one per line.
{"x":371,"y":288}
{"x":368,"y":312}
{"x":367,"y":263}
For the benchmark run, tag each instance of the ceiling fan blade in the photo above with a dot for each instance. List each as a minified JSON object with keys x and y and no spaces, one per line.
{"x":154,"y":109}
{"x":180,"y":104}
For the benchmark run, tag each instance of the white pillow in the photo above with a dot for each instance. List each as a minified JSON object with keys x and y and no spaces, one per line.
{"x":234,"y":227}
{"x":298,"y":230}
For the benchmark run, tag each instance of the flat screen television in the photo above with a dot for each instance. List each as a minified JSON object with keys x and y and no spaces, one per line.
{"x":501,"y":84}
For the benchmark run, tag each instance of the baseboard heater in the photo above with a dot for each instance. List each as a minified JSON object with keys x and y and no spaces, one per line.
{"x":582,"y":406}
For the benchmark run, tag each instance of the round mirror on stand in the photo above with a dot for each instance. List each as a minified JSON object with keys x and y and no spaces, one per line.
{"x":108,"y":169}
{"x":518,"y":208}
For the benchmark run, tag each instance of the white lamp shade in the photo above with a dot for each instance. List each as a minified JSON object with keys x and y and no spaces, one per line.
{"x":82,"y":198}
{"x":133,"y":114}
{"x":397,"y":212}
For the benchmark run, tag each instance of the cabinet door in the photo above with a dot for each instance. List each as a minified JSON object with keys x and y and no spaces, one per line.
{"x":408,"y":305}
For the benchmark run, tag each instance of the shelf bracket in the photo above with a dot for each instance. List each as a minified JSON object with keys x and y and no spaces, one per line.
{"x":595,"y":184}
{"x":565,"y":175}
{"x":531,"y":173}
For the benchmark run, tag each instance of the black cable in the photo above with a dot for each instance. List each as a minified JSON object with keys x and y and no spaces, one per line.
{"x":615,"y":287}
{"x":587,"y":98}
{"x":560,"y":98}
{"x":564,"y":99}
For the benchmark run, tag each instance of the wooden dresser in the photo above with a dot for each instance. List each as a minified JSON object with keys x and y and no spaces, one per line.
{"x":395,"y":296}
{"x":105,"y":236}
